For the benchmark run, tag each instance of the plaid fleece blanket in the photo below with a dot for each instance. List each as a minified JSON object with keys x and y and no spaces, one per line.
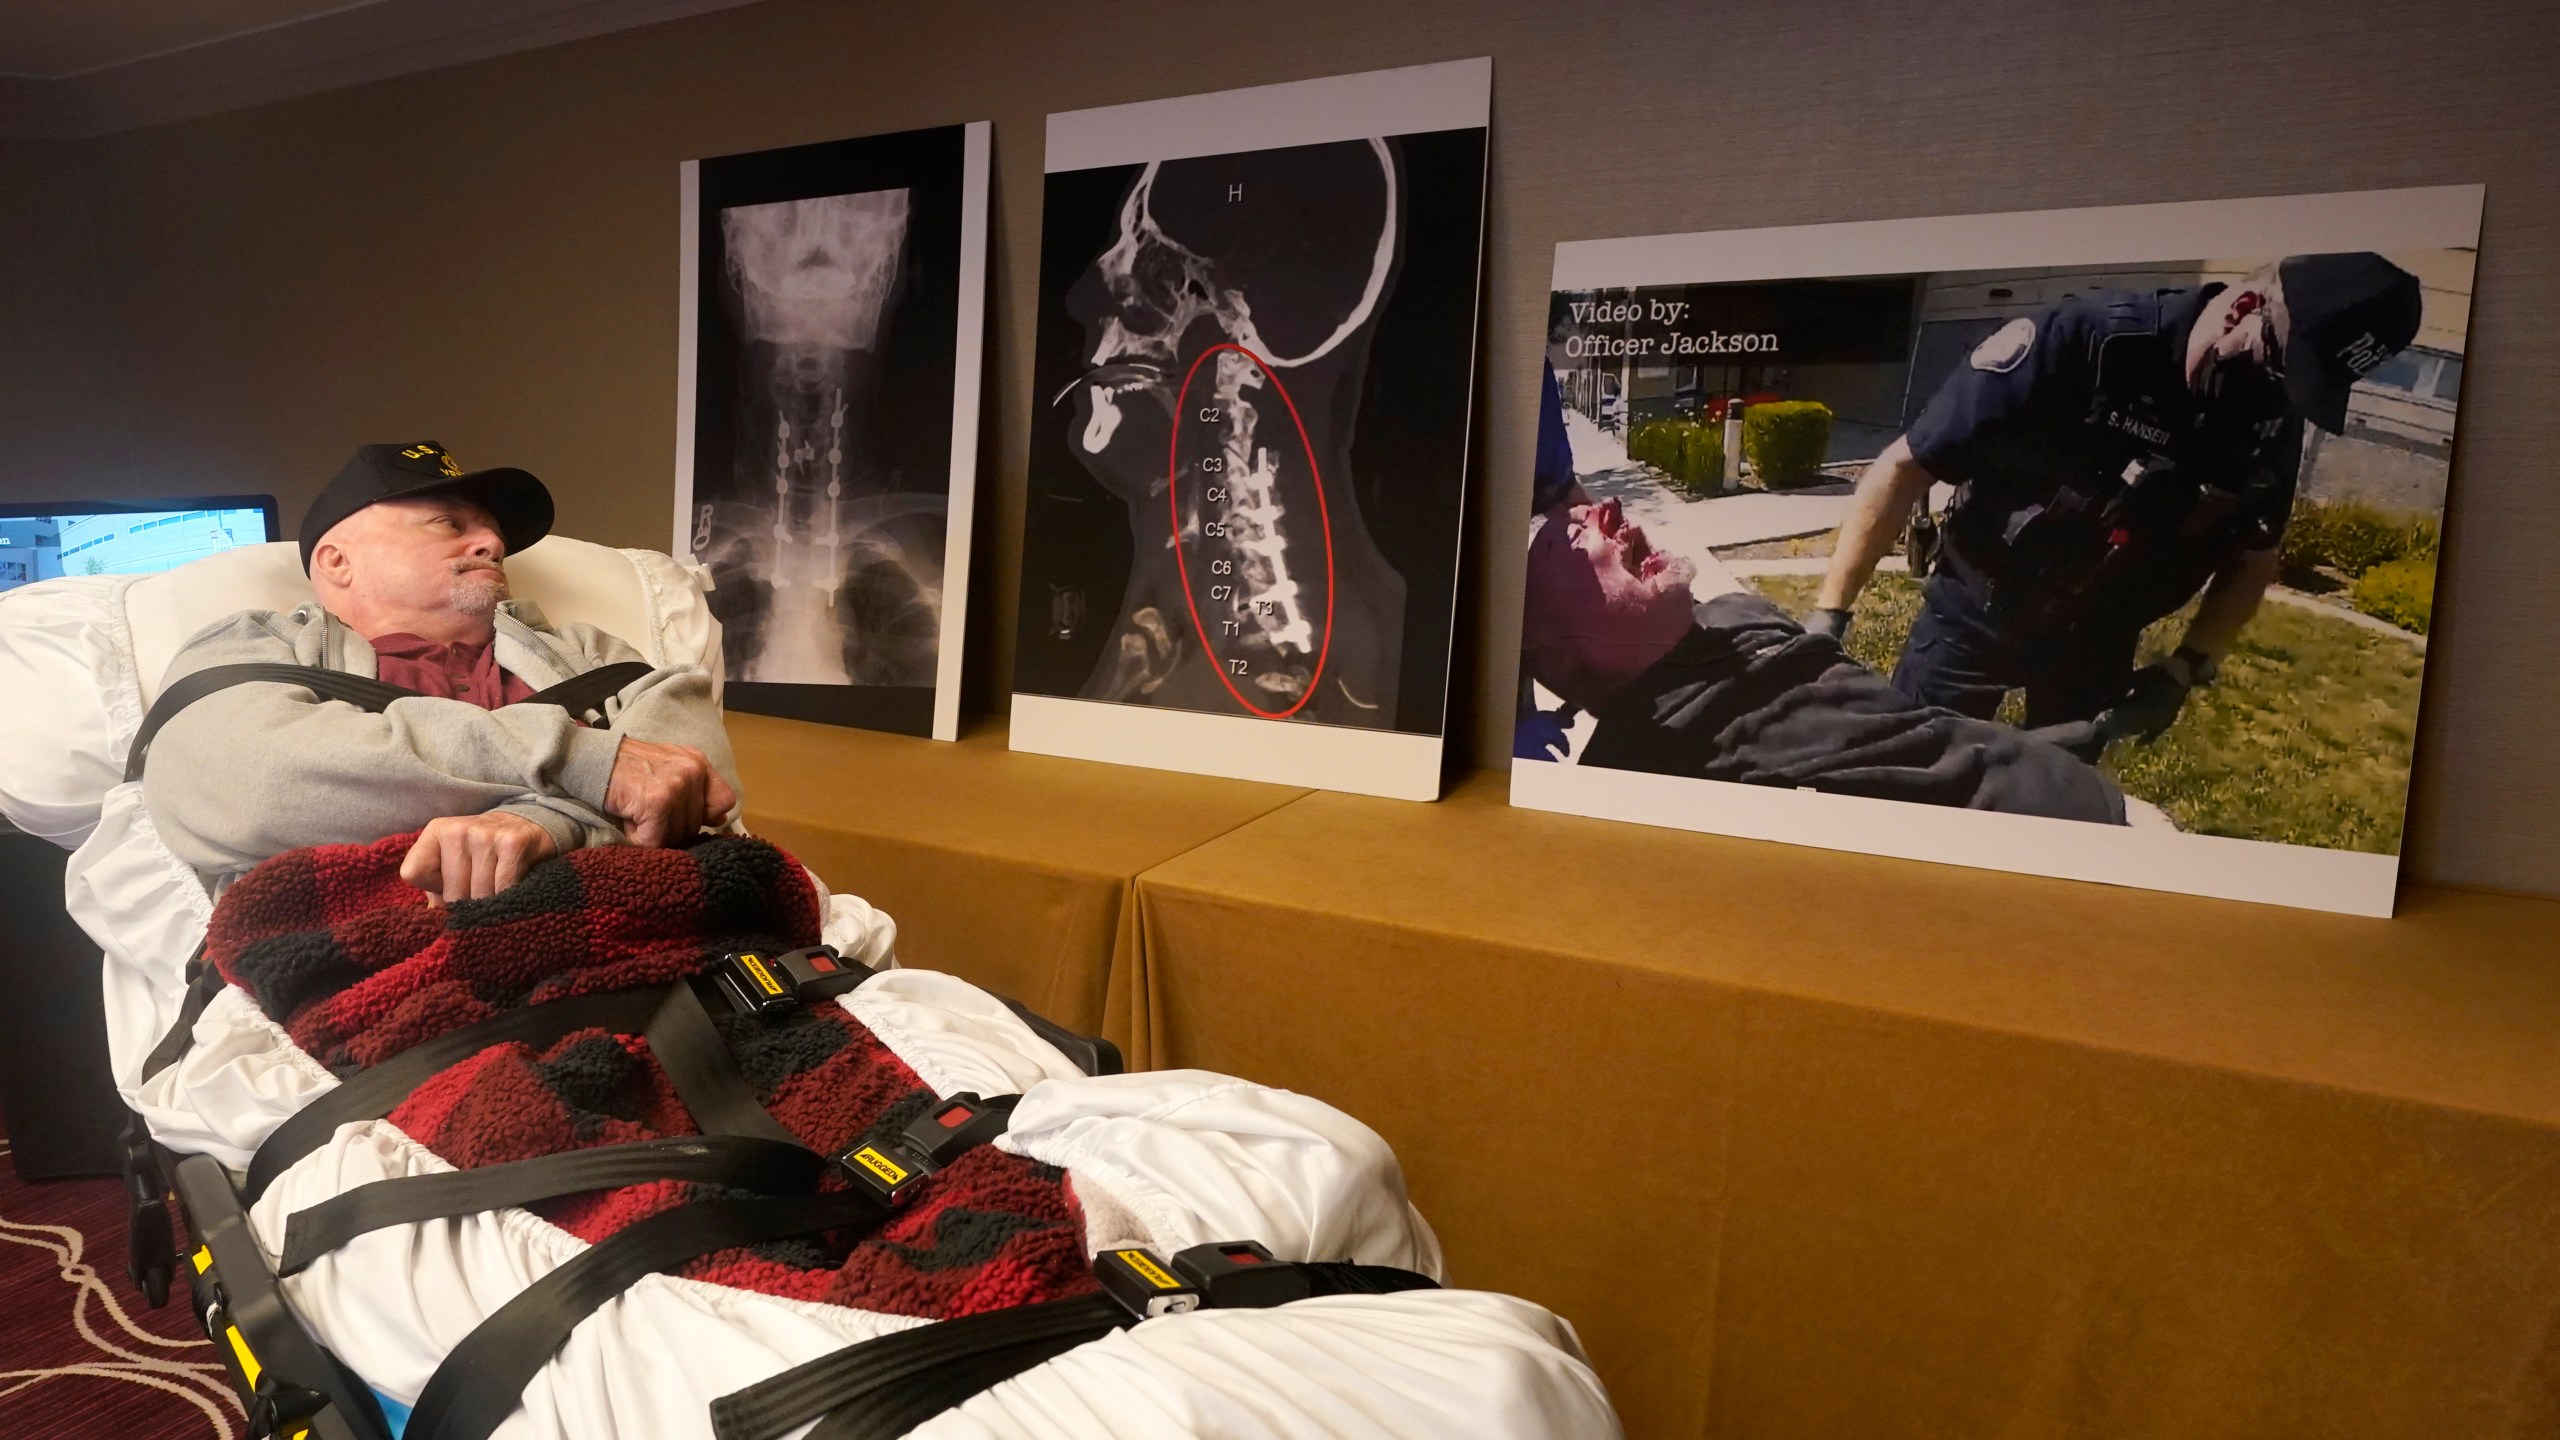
{"x":357,"y":966}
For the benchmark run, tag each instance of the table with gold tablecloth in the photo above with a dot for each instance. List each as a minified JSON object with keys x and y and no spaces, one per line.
{"x":1012,"y":871}
{"x":1808,"y":1143}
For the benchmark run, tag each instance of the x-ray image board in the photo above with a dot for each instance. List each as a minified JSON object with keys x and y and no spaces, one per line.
{"x":832,"y":313}
{"x":1253,"y":375}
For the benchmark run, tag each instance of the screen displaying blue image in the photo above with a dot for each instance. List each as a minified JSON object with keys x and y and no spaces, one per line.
{"x":43,"y":542}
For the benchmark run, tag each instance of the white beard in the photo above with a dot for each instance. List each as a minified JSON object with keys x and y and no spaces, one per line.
{"x":479,"y":593}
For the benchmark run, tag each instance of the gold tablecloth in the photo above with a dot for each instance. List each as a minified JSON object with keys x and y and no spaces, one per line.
{"x":1816,"y":1144}
{"x":1012,"y":871}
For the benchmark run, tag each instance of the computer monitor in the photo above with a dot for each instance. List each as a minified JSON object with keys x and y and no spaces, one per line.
{"x":125,"y":537}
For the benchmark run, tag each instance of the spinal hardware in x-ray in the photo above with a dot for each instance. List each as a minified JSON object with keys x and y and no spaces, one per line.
{"x":825,"y":573}
{"x":1300,"y":292}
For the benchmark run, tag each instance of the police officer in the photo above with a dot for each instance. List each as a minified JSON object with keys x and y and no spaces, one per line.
{"x":2112,"y":456}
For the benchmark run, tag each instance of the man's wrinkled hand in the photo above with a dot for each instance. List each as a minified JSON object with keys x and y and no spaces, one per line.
{"x":472,"y":857}
{"x":663,"y":794}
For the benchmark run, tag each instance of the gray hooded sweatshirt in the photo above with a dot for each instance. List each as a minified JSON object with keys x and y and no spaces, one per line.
{"x":252,"y":771}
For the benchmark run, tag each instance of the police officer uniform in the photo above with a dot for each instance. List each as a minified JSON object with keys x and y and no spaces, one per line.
{"x":2097,"y":492}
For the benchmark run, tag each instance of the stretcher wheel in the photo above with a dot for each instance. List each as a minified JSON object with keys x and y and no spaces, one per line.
{"x":151,"y":1253}
{"x":151,"y":1242}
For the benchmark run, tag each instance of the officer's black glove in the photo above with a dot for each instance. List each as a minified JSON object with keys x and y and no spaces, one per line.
{"x":2149,"y":707}
{"x":1830,"y":621}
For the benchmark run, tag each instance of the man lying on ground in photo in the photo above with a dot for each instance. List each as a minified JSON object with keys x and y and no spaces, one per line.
{"x":1689,"y":673}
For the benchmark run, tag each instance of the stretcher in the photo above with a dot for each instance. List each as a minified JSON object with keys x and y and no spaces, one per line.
{"x":1255,"y":1266}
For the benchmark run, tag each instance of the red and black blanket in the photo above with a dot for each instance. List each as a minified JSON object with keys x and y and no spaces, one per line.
{"x":358,"y":966}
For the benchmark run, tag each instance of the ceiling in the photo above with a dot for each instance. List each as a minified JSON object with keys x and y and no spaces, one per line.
{"x":55,"y":39}
{"x":72,"y":68}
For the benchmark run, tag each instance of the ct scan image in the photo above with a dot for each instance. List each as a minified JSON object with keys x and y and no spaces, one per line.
{"x":1248,"y":447}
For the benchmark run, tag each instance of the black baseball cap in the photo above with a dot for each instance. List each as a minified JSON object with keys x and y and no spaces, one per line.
{"x":519,"y":503}
{"x":2349,"y":313}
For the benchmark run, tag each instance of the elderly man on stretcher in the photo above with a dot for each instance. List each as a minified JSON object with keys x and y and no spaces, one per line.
{"x":531,"y":1173}
{"x":406,"y":557}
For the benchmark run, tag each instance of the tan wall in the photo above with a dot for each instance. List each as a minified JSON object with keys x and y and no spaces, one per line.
{"x":487,"y":254}
{"x":62,"y":398}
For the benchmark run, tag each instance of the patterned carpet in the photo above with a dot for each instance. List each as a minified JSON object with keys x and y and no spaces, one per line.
{"x":79,"y":1352}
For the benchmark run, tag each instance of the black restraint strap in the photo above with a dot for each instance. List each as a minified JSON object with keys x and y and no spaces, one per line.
{"x":704,"y":1073}
{"x":741,"y":1146}
{"x":765,"y":1167}
{"x":581,"y":695}
{"x":378,"y":1091}
{"x":361,"y":691}
{"x":483,"y":1379}
{"x":885,"y":1387}
{"x":801,"y":1394}
{"x":584,"y":694}
{"x":901,"y":1405}
{"x":203,"y":983}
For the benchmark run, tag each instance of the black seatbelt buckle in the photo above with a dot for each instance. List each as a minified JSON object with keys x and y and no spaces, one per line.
{"x":768,"y":985}
{"x":889,"y":1172}
{"x":1241,"y":1275}
{"x":1142,"y":1284}
{"x":958,"y":1124}
{"x":942,"y":1134}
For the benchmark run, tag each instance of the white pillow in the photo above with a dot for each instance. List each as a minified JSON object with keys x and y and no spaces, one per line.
{"x":95,"y":648}
{"x":66,"y":695}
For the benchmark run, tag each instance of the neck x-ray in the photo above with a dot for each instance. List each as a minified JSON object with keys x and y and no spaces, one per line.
{"x":824,"y":389}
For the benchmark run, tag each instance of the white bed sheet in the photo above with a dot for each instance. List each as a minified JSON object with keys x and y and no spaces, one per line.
{"x":1166,"y":1159}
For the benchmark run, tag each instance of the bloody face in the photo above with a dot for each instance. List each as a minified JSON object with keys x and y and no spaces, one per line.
{"x":1602,"y":603}
{"x":2237,"y":347}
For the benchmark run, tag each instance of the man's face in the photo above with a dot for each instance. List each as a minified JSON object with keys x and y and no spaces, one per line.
{"x":2238,"y":343}
{"x":424,"y":554}
{"x":1603,"y":604}
{"x":1148,"y":306}
{"x":1633,"y":576}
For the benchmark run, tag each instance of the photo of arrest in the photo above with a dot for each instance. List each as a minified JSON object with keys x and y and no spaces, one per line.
{"x":1247,"y":467}
{"x":827,"y":364}
{"x":2150,"y":542}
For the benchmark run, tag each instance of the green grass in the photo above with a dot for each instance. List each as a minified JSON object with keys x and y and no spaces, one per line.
{"x":2305,"y":739}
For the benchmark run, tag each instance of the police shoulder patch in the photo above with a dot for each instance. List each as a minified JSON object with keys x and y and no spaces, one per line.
{"x":2001,"y":351}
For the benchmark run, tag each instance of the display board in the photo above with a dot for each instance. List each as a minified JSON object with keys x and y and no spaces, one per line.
{"x":832,"y":317}
{"x":2093,"y":543}
{"x":1255,"y":365}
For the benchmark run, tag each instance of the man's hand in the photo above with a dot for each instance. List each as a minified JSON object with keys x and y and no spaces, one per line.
{"x":472,"y":857}
{"x":1830,"y":620}
{"x":2150,"y":705}
{"x":662,"y":794}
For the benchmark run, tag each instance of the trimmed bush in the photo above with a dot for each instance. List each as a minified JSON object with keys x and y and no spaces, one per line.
{"x":1702,"y":457}
{"x":1785,"y":440}
{"x":1691,"y":454}
{"x":2351,"y":538}
{"x":2401,"y":592}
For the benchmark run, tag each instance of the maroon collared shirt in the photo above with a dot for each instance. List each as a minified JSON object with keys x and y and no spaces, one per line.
{"x":454,"y":672}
